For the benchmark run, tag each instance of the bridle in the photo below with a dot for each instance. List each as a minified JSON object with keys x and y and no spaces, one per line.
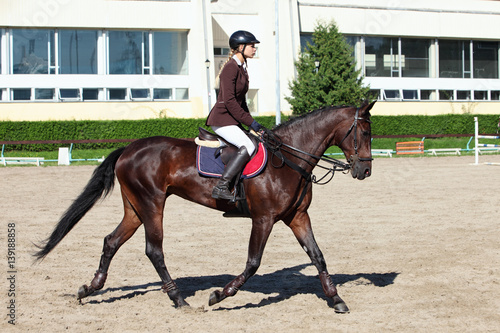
{"x":354,"y":126}
{"x":275,"y":146}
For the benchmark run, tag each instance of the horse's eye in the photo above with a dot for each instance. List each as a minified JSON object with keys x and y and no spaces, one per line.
{"x":365,"y":133}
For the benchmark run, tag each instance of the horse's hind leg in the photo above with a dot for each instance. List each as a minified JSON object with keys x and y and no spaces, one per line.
{"x":150,"y":208}
{"x":154,"y":251}
{"x":112,"y":243}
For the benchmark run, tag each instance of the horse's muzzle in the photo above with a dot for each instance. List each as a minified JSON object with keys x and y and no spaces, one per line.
{"x":361,"y":170}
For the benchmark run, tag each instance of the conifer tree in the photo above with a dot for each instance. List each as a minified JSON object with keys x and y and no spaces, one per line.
{"x":336,"y":80}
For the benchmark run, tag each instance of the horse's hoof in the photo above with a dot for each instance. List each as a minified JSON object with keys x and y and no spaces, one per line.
{"x":215,"y":297}
{"x":182,"y":303}
{"x":341,"y":308}
{"x":84,"y":291}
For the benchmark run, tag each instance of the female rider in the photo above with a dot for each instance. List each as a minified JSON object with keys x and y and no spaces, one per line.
{"x":231,"y":110}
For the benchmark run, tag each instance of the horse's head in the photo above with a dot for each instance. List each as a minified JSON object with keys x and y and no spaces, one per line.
{"x":354,"y":138}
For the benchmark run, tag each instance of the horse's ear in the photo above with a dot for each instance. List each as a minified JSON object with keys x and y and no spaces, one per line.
{"x":365,"y":110}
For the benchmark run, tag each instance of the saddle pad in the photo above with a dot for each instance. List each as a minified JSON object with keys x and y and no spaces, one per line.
{"x":211,"y":166}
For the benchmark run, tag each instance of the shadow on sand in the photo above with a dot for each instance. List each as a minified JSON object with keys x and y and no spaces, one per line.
{"x":287,"y":283}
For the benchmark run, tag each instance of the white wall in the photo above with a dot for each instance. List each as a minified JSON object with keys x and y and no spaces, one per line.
{"x":438,"y":18}
{"x":431,"y":19}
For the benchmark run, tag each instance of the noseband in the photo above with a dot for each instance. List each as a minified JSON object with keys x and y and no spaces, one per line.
{"x":354,"y":126}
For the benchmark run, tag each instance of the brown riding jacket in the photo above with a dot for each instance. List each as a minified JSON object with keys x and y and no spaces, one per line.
{"x":231,"y":107}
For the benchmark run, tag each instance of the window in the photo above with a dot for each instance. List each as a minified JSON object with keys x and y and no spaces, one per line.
{"x":381,"y":56}
{"x":410,"y":94}
{"x":23,"y":94}
{"x":415,"y":53}
{"x":385,"y":58}
{"x":139,"y":94}
{"x":392,"y":95}
{"x":145,"y":48}
{"x":454,"y":59}
{"x":352,"y":40}
{"x":221,"y":51}
{"x":117,"y":94}
{"x":374,"y":94}
{"x":304,"y":39}
{"x":181,"y":94}
{"x":463,"y":95}
{"x":426,"y":95}
{"x":170,"y":53}
{"x":412,"y":58}
{"x":485,"y":60}
{"x":162,"y":94}
{"x":125,"y":52}
{"x":129,"y":52}
{"x":71,"y":52}
{"x":69,"y":94}
{"x":445,"y":95}
{"x":44,"y":94}
{"x":78,"y":51}
{"x":35,"y":51}
{"x":480,"y":95}
{"x":90,"y":94}
{"x":30,"y":53}
{"x":169,"y":93}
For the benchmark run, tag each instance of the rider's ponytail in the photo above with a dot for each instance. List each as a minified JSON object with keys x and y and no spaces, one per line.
{"x":217,"y":79}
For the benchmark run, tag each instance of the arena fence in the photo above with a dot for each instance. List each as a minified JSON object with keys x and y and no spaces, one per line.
{"x":64,"y":155}
{"x":484,"y":147}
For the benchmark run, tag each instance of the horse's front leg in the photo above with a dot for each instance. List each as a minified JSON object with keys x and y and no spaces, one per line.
{"x":258,"y":238}
{"x":300,"y":224}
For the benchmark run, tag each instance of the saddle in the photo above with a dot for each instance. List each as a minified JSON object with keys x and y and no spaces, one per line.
{"x":214,"y":152}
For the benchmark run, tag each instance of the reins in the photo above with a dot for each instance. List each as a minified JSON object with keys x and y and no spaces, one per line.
{"x":275,"y":145}
{"x":336,"y":164}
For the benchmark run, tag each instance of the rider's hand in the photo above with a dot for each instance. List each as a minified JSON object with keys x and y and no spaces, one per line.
{"x":256,"y":126}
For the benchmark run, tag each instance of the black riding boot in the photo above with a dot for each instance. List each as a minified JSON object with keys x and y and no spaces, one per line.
{"x":233,"y":167}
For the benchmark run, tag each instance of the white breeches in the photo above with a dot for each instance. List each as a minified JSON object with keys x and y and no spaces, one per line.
{"x":236,"y":136}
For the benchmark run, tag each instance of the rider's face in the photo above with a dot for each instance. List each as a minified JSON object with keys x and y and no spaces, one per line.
{"x":249,"y":51}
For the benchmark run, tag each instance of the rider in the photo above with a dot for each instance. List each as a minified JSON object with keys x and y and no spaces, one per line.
{"x":231,"y":110}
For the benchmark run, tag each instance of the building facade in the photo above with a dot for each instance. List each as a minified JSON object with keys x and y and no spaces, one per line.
{"x":136,"y":59}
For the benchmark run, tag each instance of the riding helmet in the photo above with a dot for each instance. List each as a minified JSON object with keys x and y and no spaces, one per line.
{"x":241,"y":37}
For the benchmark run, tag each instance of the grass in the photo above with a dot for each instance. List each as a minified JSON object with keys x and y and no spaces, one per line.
{"x":89,"y":156}
{"x":434,"y":143}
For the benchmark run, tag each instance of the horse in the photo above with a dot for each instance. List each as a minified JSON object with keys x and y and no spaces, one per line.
{"x":149,"y":170}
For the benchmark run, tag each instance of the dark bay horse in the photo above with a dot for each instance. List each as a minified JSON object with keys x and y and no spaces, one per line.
{"x":150,"y":170}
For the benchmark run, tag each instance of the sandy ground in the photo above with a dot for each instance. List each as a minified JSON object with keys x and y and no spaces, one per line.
{"x":414,"y":248}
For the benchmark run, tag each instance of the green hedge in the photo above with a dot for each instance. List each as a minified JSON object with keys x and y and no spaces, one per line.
{"x":441,"y":124}
{"x":100,"y":130}
{"x":188,"y":128}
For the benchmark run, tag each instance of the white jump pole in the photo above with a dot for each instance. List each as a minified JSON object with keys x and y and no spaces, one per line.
{"x":476,"y":139}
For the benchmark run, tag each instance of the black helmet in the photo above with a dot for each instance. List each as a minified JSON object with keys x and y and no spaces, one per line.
{"x":241,"y":37}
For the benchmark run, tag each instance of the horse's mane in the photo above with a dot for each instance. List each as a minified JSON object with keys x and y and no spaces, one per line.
{"x":299,"y":118}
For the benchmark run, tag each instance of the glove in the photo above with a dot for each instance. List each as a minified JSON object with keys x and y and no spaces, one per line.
{"x":256,"y":126}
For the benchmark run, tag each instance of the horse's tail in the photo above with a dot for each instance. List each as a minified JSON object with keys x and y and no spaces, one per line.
{"x":99,"y":186}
